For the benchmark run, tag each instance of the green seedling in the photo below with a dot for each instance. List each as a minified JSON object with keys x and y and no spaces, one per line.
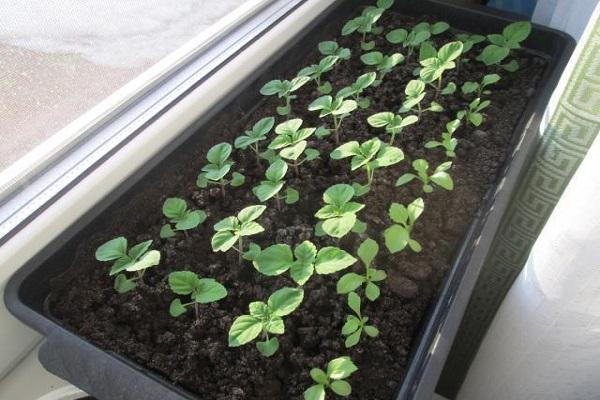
{"x":273,"y":184}
{"x":265,"y":318}
{"x":501,"y":45}
{"x":410,"y":41}
{"x":337,"y":108}
{"x":200,"y":290}
{"x":433,"y":68}
{"x":356,"y":324}
{"x":397,"y":236}
{"x":251,"y":139}
{"x":415,"y":93}
{"x":473,"y":113}
{"x":219,"y":165}
{"x":393,"y":123}
{"x":370,"y":155}
{"x":383,"y":64}
{"x":338,"y":370}
{"x":440,"y":177}
{"x":332,"y":48}
{"x":284,"y":89}
{"x":468,"y":42}
{"x":291,"y":143}
{"x":448,"y":142}
{"x":314,"y":72}
{"x":356,"y":89}
{"x":480,"y":87}
{"x":303,"y":262}
{"x":136,"y":259}
{"x":363,"y":25}
{"x":233,"y":229}
{"x":176,"y":210}
{"x":351,"y":281}
{"x":339,"y":213}
{"x":382,"y":5}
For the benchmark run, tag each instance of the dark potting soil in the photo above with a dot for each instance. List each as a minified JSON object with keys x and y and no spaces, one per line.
{"x":193,"y":353}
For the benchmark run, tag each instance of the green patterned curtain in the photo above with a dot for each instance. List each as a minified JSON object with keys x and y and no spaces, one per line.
{"x":566,"y":140}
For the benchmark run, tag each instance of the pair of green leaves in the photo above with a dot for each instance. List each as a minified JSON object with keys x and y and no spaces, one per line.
{"x":469,"y":41}
{"x":273,"y":184}
{"x":339,"y":213}
{"x":232,"y":229}
{"x":291,"y":141}
{"x":333,"y":379}
{"x":501,"y":45}
{"x":473,"y":113}
{"x":448,"y":142}
{"x":415,"y":93}
{"x":315,"y":71}
{"x":440,"y":177}
{"x":433,"y":67}
{"x":332,"y":48}
{"x":393,"y":123}
{"x":356,"y":324}
{"x":284,"y":89}
{"x":258,"y":133}
{"x":357,"y":87}
{"x":479,"y":87}
{"x":397,"y":236}
{"x":370,"y":155}
{"x":367,"y":251}
{"x":176,"y":210}
{"x":218,"y":167}
{"x":365,"y":23}
{"x":303,"y":262}
{"x":418,"y":35}
{"x":383,"y":63}
{"x":328,"y":105}
{"x":137,"y":259}
{"x":201,"y":290}
{"x":265,"y":318}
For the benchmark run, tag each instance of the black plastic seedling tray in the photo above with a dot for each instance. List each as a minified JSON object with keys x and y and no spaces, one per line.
{"x":108,"y":376}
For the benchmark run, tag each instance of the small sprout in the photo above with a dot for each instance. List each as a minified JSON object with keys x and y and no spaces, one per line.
{"x":383,"y":64}
{"x":473,"y":112}
{"x":382,"y":5}
{"x":440,"y":177}
{"x":363,"y":25}
{"x":338,"y":108}
{"x":265,"y":319}
{"x":449,"y":89}
{"x":397,"y":236}
{"x":303,"y":262}
{"x":339,"y":213}
{"x":415,"y":93}
{"x":332,"y":48}
{"x":338,"y":370}
{"x":356,"y":324}
{"x":370,"y":155}
{"x":351,"y":281}
{"x":273,"y":184}
{"x":448,"y":142}
{"x":314,"y":72}
{"x":284,"y":89}
{"x":291,"y":143}
{"x":201,"y":291}
{"x":468,"y":42}
{"x":218,"y":167}
{"x":501,"y":45}
{"x":136,"y":259}
{"x":232,"y":230}
{"x":252,"y":138}
{"x":433,"y":68}
{"x":355,"y":89}
{"x":408,"y":40}
{"x":479,"y":87}
{"x":176,"y":210}
{"x":393,"y":123}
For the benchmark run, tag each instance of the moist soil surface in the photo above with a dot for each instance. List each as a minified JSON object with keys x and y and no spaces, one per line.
{"x":193,"y":353}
